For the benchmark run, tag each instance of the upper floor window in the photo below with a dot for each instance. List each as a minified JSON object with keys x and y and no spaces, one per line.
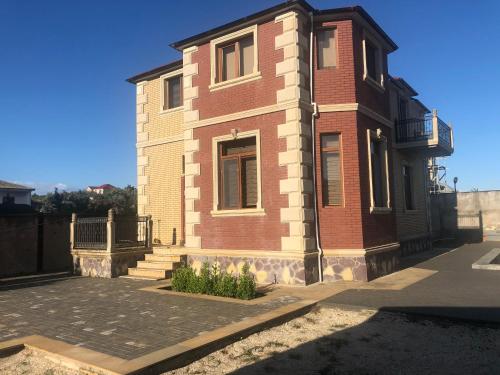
{"x":331,"y":170}
{"x":373,"y":62}
{"x":172,"y":92}
{"x":379,"y":173}
{"x":327,"y":48}
{"x":235,"y":59}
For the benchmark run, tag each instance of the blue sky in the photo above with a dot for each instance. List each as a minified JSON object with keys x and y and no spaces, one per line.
{"x":67,"y":114}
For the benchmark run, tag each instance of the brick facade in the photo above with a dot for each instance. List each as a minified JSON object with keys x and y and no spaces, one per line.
{"x":278,"y":238}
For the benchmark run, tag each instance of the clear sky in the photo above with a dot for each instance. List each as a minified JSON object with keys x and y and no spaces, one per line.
{"x":67,"y":115}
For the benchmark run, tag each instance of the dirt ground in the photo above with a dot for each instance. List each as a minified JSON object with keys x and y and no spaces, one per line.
{"x":335,"y":341}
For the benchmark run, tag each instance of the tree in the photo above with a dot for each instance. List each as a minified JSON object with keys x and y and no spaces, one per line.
{"x":123,"y":201}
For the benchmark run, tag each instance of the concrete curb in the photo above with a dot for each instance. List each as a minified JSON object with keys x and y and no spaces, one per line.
{"x":484,"y":263}
{"x":165,"y":359}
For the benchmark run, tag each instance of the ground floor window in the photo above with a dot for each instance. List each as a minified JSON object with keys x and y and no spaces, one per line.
{"x":378,"y":163}
{"x":238,"y":174}
{"x":408,"y":187}
{"x":331,"y":170}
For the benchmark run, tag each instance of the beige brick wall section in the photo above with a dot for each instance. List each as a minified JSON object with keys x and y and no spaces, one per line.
{"x":191,"y":146}
{"x":160,"y":125}
{"x":163,"y":190}
{"x":159,"y":165}
{"x":297,"y":133}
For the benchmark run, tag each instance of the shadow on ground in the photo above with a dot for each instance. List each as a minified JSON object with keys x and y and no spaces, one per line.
{"x":389,"y":343}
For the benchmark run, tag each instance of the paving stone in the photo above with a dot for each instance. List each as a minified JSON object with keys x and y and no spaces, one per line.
{"x":113,"y":316}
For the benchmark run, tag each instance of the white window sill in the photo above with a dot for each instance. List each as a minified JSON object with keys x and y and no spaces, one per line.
{"x":171,"y":110}
{"x":240,"y":212}
{"x":374,"y":83}
{"x":380,"y":210}
{"x":235,"y":81}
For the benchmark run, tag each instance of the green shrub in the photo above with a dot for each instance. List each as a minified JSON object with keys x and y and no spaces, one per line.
{"x":181,"y":278}
{"x":214,"y":282}
{"x":226,"y":286}
{"x":246,"y":284}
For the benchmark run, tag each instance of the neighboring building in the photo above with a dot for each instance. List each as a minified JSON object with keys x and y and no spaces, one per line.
{"x":101,"y":189}
{"x":14,"y":194}
{"x":238,"y":160}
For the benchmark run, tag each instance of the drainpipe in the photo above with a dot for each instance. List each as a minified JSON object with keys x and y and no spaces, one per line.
{"x":313,"y":148}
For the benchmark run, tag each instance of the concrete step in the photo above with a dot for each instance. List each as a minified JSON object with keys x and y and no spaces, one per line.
{"x":167,"y":266}
{"x":164,"y":258}
{"x":165,"y":251}
{"x":157,"y":274}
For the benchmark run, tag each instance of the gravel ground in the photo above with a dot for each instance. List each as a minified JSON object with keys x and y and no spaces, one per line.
{"x":336,"y":341}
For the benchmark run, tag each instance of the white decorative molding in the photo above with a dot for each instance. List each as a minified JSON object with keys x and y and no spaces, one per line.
{"x":191,"y":147}
{"x":297,"y":132}
{"x":248,"y":113}
{"x":142,"y":136}
{"x":348,"y":107}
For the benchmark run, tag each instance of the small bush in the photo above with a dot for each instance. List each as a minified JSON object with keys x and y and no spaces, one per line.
{"x":213,"y":281}
{"x":246,"y":284}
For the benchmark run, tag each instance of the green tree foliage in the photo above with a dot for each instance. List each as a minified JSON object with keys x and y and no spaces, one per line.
{"x":85,"y":203}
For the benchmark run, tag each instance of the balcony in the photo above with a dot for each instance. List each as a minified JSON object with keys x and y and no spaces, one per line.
{"x":429,"y":135}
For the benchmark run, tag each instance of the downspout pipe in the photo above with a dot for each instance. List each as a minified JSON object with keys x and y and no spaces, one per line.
{"x":313,"y":148}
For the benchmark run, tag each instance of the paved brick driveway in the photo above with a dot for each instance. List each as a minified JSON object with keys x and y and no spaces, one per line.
{"x":113,"y":316}
{"x":455,"y":290}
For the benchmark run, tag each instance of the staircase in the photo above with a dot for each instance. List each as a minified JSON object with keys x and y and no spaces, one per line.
{"x":157,"y":266}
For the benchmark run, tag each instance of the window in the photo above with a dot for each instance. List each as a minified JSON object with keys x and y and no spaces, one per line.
{"x":378,"y":164}
{"x":373,"y":63}
{"x":331,"y":167}
{"x":235,"y":59}
{"x":238,"y":186}
{"x":327,"y":48}
{"x":408,"y":187}
{"x":402,"y":109}
{"x":172,"y":92}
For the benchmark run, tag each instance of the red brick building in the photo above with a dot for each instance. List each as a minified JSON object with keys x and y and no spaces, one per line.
{"x":300,"y":152}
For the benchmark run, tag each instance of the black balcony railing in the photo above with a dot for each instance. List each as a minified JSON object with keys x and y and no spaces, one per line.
{"x":414,"y":130}
{"x":444,"y":133}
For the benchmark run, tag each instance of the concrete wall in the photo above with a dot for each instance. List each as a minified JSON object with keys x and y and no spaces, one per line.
{"x":31,"y":243}
{"x":18,"y":244}
{"x":466,"y":212}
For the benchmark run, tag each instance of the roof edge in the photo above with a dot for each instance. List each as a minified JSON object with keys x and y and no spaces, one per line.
{"x":290,"y":4}
{"x":155,"y":72}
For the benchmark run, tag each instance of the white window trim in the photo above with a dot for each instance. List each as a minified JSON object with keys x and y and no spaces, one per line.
{"x":377,"y":84}
{"x":175,"y":73}
{"x":258,"y":210}
{"x":377,"y":135}
{"x":213,"y":59}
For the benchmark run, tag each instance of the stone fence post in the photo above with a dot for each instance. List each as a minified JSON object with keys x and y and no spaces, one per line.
{"x":110,"y":231}
{"x":72,"y":228}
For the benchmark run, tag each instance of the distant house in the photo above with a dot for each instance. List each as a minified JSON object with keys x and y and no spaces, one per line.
{"x":14,"y":194}
{"x":101,"y":189}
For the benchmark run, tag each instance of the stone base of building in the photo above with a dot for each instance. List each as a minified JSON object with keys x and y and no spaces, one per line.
{"x":268,"y":267}
{"x":416,"y":245}
{"x":360,"y":265}
{"x":101,"y":263}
